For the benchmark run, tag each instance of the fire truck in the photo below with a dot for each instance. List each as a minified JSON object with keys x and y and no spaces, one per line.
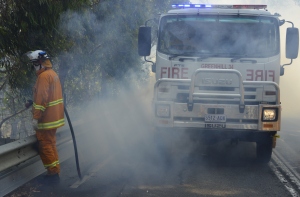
{"x":218,"y":71}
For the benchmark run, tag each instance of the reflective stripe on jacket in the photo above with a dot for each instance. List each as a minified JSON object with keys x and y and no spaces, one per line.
{"x":48,"y":106}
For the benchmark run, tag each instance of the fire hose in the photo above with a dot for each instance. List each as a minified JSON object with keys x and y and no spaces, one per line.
{"x":74,"y":143}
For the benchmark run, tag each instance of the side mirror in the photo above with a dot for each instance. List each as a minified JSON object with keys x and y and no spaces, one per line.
{"x":144,"y":41}
{"x":292,"y":43}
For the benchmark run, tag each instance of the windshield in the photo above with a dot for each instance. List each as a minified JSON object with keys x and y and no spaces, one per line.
{"x":223,"y":36}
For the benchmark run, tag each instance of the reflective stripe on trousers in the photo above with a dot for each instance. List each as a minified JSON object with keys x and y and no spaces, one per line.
{"x":50,"y":125}
{"x":47,"y":150}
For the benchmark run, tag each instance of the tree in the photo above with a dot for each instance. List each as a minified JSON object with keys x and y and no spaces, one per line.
{"x":26,"y":26}
{"x":93,"y":44}
{"x":104,"y":49}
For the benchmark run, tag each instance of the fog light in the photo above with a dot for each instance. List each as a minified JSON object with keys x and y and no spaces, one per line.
{"x":269,"y":114}
{"x":163,"y":111}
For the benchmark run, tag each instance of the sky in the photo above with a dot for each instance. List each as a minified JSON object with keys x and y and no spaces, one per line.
{"x":290,"y":82}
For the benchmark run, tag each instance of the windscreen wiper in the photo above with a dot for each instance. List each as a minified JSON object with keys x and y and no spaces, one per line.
{"x":182,"y":54}
{"x":174,"y":55}
{"x":243,"y":60}
{"x":192,"y":57}
{"x":234,"y":59}
{"x":199,"y":59}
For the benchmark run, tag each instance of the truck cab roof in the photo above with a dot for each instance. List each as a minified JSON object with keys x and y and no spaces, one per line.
{"x":184,"y":11}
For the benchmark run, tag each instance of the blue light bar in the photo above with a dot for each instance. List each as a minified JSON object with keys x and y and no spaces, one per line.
{"x":191,"y":6}
{"x":219,"y":6}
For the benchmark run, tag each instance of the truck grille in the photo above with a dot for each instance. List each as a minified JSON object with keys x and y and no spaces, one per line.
{"x":200,"y":90}
{"x":184,"y":97}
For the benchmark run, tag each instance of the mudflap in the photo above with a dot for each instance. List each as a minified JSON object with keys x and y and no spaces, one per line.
{"x":275,"y":140}
{"x":264,"y":146}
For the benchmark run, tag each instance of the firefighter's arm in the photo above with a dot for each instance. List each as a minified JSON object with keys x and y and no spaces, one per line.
{"x":41,"y":98}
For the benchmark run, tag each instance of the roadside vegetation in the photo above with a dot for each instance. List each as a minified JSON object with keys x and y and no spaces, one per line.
{"x":92,"y":45}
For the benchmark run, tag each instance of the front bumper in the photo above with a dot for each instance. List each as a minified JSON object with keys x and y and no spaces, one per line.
{"x":250,"y":119}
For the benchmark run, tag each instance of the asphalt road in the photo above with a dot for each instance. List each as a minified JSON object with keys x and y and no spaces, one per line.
{"x":140,"y":169}
{"x":120,"y":156}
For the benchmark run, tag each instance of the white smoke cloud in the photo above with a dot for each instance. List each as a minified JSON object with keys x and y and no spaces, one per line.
{"x":123,"y":124}
{"x":289,"y":83}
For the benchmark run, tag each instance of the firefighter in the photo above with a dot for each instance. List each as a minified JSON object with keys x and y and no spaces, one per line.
{"x":48,"y":111}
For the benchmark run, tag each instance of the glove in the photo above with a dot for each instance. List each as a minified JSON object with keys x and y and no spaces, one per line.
{"x":35,"y":124}
{"x":29,"y":103}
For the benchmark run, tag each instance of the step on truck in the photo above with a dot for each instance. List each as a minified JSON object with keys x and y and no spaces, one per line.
{"x":218,"y":71}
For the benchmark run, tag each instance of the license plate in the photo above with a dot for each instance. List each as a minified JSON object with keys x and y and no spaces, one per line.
{"x":215,"y":118}
{"x":215,"y":125}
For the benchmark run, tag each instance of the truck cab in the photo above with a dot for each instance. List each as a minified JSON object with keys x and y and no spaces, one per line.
{"x":218,"y":71}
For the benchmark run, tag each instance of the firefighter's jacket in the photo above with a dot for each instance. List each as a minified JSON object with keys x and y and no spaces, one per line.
{"x":48,"y":106}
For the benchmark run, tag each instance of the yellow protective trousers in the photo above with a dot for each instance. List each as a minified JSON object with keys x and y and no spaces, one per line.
{"x":48,"y":151}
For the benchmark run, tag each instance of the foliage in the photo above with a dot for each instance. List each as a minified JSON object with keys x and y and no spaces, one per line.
{"x":104,"y":49}
{"x":93,"y":44}
{"x":24,"y":26}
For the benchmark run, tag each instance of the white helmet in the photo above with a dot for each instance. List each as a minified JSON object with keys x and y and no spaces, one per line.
{"x":37,"y":55}
{"x":37,"y":58}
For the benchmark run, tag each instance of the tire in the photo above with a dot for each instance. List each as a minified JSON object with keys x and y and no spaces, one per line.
{"x":264,"y":149}
{"x":163,"y":146}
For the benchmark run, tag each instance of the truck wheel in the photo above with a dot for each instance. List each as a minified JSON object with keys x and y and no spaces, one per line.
{"x":264,"y":150}
{"x":162,"y":144}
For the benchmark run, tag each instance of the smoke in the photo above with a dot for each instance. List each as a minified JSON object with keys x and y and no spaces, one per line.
{"x":289,"y":83}
{"x":121,"y":129}
{"x":121,"y":126}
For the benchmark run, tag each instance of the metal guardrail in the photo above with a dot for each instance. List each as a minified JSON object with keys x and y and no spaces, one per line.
{"x":17,"y":152}
{"x":20,"y":162}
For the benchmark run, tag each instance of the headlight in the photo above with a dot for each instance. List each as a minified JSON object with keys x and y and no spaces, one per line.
{"x":269,"y":114}
{"x":163,"y":111}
